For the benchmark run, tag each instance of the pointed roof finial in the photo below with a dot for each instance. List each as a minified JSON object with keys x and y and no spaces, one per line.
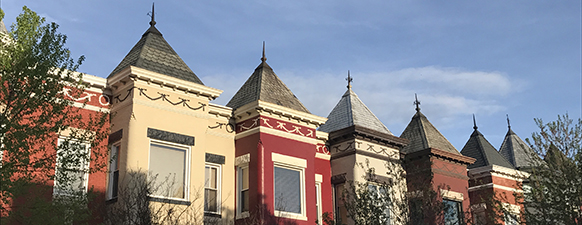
{"x":153,"y":16}
{"x":417,"y":103}
{"x":508,"y":124}
{"x":263,"y":59}
{"x":474,"y":123}
{"x":350,"y":80}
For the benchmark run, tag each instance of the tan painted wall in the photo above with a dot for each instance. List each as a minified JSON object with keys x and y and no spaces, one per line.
{"x":138,"y":113}
{"x":352,"y":166}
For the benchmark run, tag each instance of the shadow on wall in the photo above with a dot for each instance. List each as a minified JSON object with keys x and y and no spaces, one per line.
{"x":135,"y":203}
{"x":35,"y":203}
{"x":263,"y":214}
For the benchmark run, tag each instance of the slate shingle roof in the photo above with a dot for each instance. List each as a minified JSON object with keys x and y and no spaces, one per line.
{"x":485,"y":154}
{"x":422,"y":135}
{"x":349,"y":111}
{"x":153,"y":53}
{"x":266,"y":86}
{"x":516,"y":151}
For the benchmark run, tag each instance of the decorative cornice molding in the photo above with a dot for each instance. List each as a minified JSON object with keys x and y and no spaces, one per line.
{"x":270,"y":108}
{"x":164,"y":80}
{"x":368,"y":135}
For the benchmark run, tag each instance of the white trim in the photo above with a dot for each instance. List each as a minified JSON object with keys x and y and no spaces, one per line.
{"x":452,"y":195}
{"x":318,"y":178}
{"x":289,"y":161}
{"x":186,"y":166}
{"x":90,"y":107}
{"x":496,"y":186}
{"x":322,"y":156}
{"x":280,"y":133}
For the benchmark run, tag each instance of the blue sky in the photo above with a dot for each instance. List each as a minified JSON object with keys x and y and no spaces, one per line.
{"x":490,"y":58}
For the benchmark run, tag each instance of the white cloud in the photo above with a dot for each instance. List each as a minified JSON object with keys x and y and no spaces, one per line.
{"x":446,"y":94}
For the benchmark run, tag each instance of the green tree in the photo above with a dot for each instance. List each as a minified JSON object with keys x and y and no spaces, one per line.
{"x":553,"y":194}
{"x":35,"y":67}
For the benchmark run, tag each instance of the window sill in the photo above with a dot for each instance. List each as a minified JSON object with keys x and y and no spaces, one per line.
{"x":242,"y":215}
{"x":111,"y":201}
{"x":288,"y":215}
{"x":171,"y":201}
{"x":212,"y":215}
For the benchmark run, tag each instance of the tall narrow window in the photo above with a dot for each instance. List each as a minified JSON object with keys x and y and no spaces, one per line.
{"x":318,"y":202}
{"x":243,"y":188}
{"x":381,"y":199}
{"x":453,"y":212}
{"x":72,"y":167}
{"x":169,"y":166}
{"x":113,"y":171}
{"x":212,"y":188}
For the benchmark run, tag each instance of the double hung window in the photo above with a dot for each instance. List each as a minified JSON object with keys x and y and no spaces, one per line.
{"x":243,"y":188}
{"x":72,"y":167}
{"x":113,"y":171}
{"x":212,"y":188}
{"x":169,"y":165}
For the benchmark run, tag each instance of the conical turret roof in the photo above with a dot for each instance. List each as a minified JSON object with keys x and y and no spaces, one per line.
{"x":485,"y":154}
{"x":422,"y":135}
{"x":516,"y":151}
{"x":266,"y":86}
{"x":153,"y":53}
{"x":350,"y":111}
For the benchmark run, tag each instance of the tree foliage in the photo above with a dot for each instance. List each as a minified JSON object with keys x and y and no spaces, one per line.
{"x":35,"y":68}
{"x":554,"y":192}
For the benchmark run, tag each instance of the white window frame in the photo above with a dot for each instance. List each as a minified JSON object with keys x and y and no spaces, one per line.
{"x":56,"y":190}
{"x":290,"y":163}
{"x":218,"y":186}
{"x":113,"y":167}
{"x":186,"y":167}
{"x":241,"y":162}
{"x":239,"y":178}
{"x":318,"y":181}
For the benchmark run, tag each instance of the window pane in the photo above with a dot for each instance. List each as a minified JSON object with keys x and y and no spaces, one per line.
{"x":245,"y":178}
{"x":168,"y":163}
{"x":210,"y":203}
{"x":287,"y":190}
{"x":245,"y":201}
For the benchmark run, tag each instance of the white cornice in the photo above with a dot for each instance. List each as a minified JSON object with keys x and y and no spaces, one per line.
{"x":280,"y":110}
{"x":219,"y":110}
{"x":498,"y":171}
{"x":158,"y":78}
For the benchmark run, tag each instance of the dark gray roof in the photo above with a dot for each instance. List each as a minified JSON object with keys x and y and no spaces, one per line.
{"x":516,"y":151}
{"x":266,"y":86}
{"x":349,"y":111}
{"x":422,"y":135}
{"x":479,"y":148}
{"x":153,"y":53}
